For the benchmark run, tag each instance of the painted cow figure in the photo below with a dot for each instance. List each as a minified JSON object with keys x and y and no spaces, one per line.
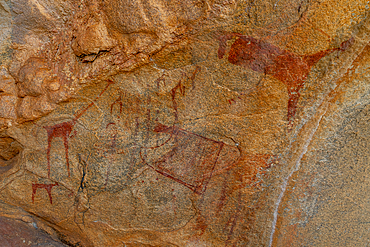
{"x":260,"y":56}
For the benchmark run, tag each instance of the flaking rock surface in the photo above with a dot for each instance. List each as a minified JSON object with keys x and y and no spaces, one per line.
{"x":184,"y":123}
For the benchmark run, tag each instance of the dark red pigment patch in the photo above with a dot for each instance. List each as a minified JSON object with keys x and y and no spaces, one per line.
{"x":47,"y":187}
{"x":263,"y":57}
{"x":181,"y":88}
{"x":64,"y":130}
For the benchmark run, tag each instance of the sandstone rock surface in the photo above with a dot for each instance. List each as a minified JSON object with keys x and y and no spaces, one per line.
{"x":184,"y":123}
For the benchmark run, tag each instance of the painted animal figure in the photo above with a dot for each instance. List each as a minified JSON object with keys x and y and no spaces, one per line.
{"x":260,"y":56}
{"x":64,"y":130}
{"x":47,"y":187}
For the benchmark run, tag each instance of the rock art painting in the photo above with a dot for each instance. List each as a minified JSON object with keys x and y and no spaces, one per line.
{"x":64,"y":131}
{"x":192,"y":159}
{"x":196,"y":123}
{"x":47,"y":187}
{"x":263,"y":57}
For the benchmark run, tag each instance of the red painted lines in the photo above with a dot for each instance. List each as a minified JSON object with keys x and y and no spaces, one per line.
{"x":64,"y":130}
{"x":47,"y":187}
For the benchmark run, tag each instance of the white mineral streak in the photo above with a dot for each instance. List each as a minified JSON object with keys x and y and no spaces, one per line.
{"x":306,"y":133}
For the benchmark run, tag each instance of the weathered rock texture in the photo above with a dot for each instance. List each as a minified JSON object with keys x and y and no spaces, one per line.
{"x":184,"y":123}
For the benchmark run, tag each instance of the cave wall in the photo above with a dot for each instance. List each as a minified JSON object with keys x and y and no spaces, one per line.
{"x":184,"y":123}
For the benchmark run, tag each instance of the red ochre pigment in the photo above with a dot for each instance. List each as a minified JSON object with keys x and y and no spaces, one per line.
{"x":263,"y":57}
{"x":64,"y":130}
{"x":47,"y":187}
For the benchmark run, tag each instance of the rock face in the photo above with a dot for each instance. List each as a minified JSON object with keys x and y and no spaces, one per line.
{"x":184,"y":123}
